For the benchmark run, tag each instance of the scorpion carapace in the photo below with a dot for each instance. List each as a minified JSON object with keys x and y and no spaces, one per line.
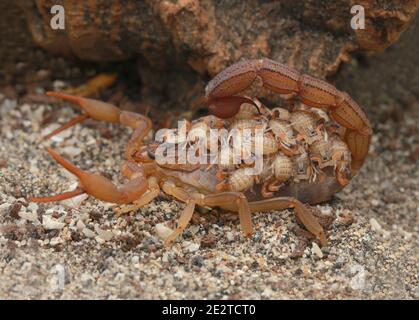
{"x":304,"y":155}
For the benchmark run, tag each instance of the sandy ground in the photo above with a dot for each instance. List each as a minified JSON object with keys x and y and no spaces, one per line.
{"x":81,"y":250}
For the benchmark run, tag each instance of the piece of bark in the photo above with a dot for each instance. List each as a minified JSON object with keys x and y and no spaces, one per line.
{"x":391,"y":77}
{"x":208,"y":35}
{"x":181,"y":44}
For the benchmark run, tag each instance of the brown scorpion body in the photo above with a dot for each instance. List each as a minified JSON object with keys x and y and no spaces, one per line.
{"x":305,"y":159}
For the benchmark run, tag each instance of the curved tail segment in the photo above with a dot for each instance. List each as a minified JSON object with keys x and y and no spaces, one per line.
{"x":222,"y":97}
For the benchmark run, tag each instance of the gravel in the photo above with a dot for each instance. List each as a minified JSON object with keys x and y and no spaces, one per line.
{"x":81,"y":249}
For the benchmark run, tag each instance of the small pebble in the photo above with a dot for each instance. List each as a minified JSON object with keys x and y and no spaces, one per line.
{"x":58,"y":137}
{"x":51,"y":224}
{"x":75,"y":202}
{"x":198,"y":261}
{"x":88,"y":233}
{"x":105,"y":235}
{"x":58,"y":84}
{"x":375,"y":226}
{"x":162,"y":231}
{"x":315,"y":249}
{"x":33,"y":207}
{"x":86,"y":279}
{"x":124,"y":258}
{"x":191,"y":246}
{"x":208,"y":241}
{"x":407,"y":235}
{"x":4,"y":207}
{"x":230,"y":236}
{"x":30,"y":216}
{"x":80,"y":225}
{"x":55,"y":241}
{"x":71,"y":151}
{"x":375,"y":202}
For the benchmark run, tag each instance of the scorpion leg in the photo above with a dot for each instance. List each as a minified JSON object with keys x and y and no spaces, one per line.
{"x":186,"y":216}
{"x":239,"y":200}
{"x":213,"y":200}
{"x":100,"y":187}
{"x":93,"y":86}
{"x":182,"y":223}
{"x":141,"y":126}
{"x":303,"y":214}
{"x":146,"y":198}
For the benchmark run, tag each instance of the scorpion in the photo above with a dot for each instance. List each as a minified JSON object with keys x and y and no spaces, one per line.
{"x":309,"y":153}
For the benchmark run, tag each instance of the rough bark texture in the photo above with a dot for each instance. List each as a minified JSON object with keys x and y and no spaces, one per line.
{"x":208,"y":35}
{"x":181,"y":44}
{"x":391,"y":77}
{"x":15,"y":40}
